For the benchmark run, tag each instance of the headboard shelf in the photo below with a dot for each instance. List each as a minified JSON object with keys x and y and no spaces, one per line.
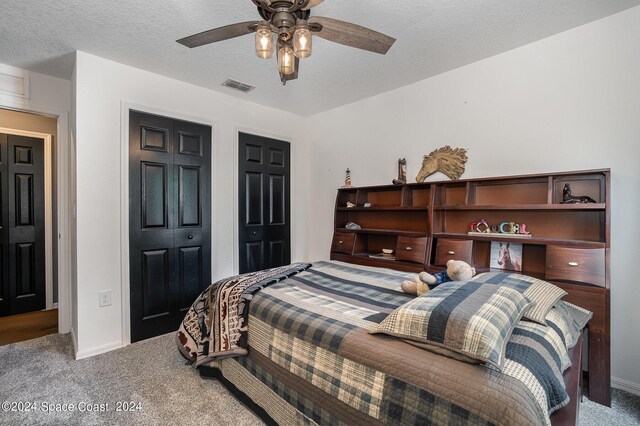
{"x":425,"y":224}
{"x":591,"y":206}
{"x":532,"y":240}
{"x":384,"y":232}
{"x":383,"y":209}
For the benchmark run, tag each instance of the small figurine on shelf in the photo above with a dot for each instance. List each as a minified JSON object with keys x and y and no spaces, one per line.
{"x":567,"y":198}
{"x":353,"y":226}
{"x":446,"y":160}
{"x":347,"y":180}
{"x":504,"y":229}
{"x":402,"y":172}
{"x":350,"y":205}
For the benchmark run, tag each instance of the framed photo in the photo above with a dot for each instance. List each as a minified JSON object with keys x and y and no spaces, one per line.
{"x":506,"y":255}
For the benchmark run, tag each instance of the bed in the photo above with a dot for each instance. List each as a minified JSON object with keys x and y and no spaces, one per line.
{"x":297,"y":344}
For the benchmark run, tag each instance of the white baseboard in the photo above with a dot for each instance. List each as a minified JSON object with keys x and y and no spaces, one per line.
{"x":98,"y":350}
{"x":625,"y":385}
{"x":74,"y":341}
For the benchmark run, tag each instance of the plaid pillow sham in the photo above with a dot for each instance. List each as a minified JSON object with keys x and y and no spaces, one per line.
{"x":544,"y":294}
{"x":470,"y":318}
{"x":571,"y":319}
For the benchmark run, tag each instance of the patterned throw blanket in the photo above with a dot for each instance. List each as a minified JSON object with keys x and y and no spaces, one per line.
{"x":216,"y":324}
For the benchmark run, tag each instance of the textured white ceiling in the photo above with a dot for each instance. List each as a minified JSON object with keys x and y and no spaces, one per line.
{"x":433,"y":36}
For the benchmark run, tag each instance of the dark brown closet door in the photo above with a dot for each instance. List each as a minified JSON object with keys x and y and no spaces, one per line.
{"x":170,"y":220}
{"x":264,"y":203}
{"x":22,"y":254}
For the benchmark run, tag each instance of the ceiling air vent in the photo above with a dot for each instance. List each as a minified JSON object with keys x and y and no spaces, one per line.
{"x":236,"y":85}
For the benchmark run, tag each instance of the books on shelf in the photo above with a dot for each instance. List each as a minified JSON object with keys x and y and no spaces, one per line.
{"x":383,"y":256}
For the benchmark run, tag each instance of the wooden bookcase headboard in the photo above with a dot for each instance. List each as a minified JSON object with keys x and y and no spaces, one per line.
{"x":426,"y":224}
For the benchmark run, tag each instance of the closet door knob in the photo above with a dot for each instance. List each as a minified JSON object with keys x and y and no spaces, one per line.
{"x":572,"y":263}
{"x":190,"y":237}
{"x":452,"y":252}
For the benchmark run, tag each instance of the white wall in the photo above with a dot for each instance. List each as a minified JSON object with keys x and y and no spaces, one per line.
{"x":73,"y":246}
{"x":569,"y":102}
{"x":101,"y":88}
{"x":46,"y":94}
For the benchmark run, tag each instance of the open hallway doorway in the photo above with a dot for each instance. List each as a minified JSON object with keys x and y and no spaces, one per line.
{"x":28,"y":218}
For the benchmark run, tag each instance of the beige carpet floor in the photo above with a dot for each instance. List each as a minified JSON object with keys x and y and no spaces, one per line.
{"x":153,"y":374}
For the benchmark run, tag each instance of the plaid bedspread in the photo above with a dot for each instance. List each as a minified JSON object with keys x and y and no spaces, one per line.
{"x":311,"y":360}
{"x":216,"y":323}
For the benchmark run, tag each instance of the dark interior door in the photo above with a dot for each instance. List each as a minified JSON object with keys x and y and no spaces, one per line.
{"x":264,"y":203}
{"x":170,"y":220}
{"x":22,"y":254}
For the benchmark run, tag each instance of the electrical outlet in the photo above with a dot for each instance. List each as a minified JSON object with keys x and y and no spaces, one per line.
{"x":104,"y":298}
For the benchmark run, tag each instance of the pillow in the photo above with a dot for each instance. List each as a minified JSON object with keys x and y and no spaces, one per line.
{"x":530,"y":339}
{"x":470,"y":318}
{"x":570,"y":319}
{"x":544,"y":295}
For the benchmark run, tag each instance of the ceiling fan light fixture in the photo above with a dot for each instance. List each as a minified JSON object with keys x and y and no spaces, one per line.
{"x":286,"y":60}
{"x":264,"y":40}
{"x":302,"y":43}
{"x":290,"y":21}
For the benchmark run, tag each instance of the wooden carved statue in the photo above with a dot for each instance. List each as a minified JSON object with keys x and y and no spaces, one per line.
{"x":402,"y":172}
{"x":446,"y":160}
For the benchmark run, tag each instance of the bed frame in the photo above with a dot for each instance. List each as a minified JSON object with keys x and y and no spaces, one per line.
{"x":568,"y":415}
{"x":427,"y":224}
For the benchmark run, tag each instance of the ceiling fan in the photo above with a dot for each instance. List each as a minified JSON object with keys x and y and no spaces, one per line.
{"x":290,"y":21}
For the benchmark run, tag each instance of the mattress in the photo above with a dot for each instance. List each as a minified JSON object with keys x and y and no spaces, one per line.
{"x":301,"y":352}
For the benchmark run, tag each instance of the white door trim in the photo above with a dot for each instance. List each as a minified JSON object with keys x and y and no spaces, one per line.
{"x":125,"y":108}
{"x":48,"y":203}
{"x":63,"y":181}
{"x":236,"y":202}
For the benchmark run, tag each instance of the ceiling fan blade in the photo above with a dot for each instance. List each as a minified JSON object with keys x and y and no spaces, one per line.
{"x":219,"y":34}
{"x":311,"y":4}
{"x":352,"y":35}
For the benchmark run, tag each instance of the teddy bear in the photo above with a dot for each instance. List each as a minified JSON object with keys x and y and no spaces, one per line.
{"x":415,"y":285}
{"x":457,"y":270}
